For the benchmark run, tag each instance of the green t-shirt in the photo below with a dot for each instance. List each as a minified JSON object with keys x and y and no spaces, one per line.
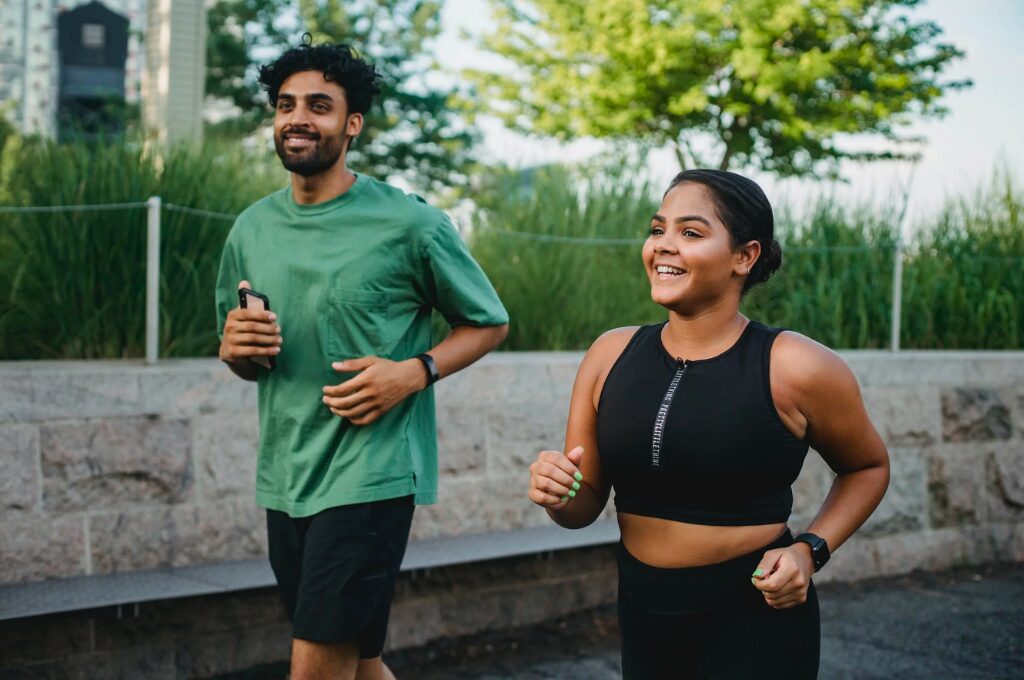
{"x":354,"y":276}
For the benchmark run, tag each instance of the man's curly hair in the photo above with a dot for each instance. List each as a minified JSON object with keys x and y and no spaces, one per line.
{"x":339,"y":63}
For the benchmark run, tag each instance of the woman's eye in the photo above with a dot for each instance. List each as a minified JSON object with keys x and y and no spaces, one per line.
{"x":656,"y":231}
{"x":691,"y":232}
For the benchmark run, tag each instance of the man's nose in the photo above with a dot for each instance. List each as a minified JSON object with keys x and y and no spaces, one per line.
{"x":298,"y":117}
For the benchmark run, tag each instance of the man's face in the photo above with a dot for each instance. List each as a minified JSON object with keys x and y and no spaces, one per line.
{"x":312,"y":125}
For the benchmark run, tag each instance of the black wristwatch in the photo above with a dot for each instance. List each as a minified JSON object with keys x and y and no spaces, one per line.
{"x":432,"y":373}
{"x":819,"y":549}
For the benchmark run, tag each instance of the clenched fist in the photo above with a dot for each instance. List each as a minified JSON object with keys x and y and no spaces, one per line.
{"x":555,"y":478}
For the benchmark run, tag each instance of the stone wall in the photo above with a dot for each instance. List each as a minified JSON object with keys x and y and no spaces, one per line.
{"x":113,"y":466}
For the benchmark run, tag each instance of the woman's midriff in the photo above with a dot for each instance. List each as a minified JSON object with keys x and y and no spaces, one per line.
{"x":669,"y":544}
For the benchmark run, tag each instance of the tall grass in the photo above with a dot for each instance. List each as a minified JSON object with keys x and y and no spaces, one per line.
{"x":964,"y":283}
{"x":835,"y":284}
{"x":73,"y":283}
{"x":561,"y":295}
{"x":963,"y":271}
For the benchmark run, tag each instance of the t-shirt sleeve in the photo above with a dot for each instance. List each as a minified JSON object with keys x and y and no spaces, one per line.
{"x":226,"y":291}
{"x":456,"y":285}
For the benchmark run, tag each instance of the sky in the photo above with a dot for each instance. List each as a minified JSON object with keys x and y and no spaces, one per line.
{"x":984,"y":129}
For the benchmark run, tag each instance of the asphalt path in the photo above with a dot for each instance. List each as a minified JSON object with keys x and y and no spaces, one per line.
{"x":959,"y":624}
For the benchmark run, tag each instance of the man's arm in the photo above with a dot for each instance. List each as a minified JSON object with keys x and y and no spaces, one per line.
{"x":382,"y":383}
{"x":464,"y":346}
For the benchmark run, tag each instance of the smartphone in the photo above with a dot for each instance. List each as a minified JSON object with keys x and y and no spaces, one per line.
{"x":250,"y":299}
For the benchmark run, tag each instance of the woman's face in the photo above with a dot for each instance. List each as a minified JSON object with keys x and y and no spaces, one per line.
{"x":689,"y":255}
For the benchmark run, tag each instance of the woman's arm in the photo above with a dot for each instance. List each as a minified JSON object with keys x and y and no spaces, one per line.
{"x":828,"y":398}
{"x":818,"y":397}
{"x":552,"y":474}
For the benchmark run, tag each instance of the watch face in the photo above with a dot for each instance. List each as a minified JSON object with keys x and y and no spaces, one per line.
{"x":820,"y":552}
{"x":819,"y":549}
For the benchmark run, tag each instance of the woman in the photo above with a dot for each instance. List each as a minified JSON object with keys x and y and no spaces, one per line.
{"x":701,"y":424}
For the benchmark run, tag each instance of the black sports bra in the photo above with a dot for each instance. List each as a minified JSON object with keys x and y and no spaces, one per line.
{"x":697,"y":441}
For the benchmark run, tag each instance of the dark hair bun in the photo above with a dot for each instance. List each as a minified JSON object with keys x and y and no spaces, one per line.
{"x":766,"y":265}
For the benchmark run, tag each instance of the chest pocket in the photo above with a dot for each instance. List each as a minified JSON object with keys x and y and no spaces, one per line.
{"x":356,"y":323}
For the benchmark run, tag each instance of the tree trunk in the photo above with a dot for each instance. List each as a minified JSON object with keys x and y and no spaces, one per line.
{"x":680,"y":156}
{"x":726,"y":157}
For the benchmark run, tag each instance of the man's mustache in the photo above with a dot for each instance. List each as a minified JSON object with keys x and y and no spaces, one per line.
{"x":303,"y":134}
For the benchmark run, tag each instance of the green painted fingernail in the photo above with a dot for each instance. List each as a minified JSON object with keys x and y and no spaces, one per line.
{"x":575,"y":486}
{"x":572,"y":494}
{"x":753,"y":582}
{"x":578,"y":476}
{"x":759,"y":572}
{"x":565,"y":498}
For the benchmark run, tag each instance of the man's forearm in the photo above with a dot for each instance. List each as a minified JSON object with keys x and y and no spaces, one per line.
{"x":465,"y":345}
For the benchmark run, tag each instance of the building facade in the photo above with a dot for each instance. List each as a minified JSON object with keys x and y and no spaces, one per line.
{"x":164,"y":68}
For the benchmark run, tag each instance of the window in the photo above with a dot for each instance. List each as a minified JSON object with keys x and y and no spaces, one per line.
{"x":94,"y":35}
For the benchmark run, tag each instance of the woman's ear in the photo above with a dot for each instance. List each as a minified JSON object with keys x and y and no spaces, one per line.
{"x":746,"y":256}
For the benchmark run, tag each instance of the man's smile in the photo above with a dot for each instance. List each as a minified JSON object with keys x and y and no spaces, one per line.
{"x":299,"y":141}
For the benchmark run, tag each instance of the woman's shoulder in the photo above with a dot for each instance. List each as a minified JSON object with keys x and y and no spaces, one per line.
{"x":607,"y":349}
{"x":808,"y":365}
{"x":612,"y":343}
{"x":601,"y":357}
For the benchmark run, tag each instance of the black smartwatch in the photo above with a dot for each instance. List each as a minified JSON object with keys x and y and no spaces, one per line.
{"x":819,"y":549}
{"x":432,"y":374}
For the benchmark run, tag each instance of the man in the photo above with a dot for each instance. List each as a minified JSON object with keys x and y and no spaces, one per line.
{"x":352,"y":268}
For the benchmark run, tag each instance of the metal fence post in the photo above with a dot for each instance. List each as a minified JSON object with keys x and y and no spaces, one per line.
{"x":897,"y":264}
{"x":152,"y":279}
{"x":897,"y":294}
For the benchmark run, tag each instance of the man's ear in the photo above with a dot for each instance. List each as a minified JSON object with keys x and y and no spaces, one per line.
{"x":354,"y":124}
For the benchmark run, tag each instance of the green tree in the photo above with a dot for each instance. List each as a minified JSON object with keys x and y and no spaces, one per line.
{"x":413,"y":130}
{"x":771,"y":84}
{"x":239,"y":33}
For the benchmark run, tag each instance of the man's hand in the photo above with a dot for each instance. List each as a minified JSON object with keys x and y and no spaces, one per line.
{"x":249,"y":333}
{"x":380,"y":385}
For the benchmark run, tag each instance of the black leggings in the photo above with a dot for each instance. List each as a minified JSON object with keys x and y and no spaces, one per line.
{"x":710,"y":622}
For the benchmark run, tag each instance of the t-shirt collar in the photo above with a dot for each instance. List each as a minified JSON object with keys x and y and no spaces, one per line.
{"x":328,"y":205}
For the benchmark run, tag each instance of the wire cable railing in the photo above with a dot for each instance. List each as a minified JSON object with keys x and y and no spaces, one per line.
{"x":155,"y":208}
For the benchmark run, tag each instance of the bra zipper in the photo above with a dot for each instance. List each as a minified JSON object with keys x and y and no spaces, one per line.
{"x":666,"y":404}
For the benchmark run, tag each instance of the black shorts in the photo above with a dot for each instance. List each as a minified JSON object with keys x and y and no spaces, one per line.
{"x":711,"y":622}
{"x":336,"y":570}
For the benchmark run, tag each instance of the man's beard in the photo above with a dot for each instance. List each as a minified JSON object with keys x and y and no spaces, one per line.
{"x":325,"y":153}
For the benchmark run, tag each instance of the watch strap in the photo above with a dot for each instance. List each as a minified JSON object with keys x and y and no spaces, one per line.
{"x":433,"y":375}
{"x":819,"y":548}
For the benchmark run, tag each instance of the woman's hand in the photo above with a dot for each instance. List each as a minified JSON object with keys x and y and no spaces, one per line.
{"x":784,"y":575}
{"x":555,"y":478}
